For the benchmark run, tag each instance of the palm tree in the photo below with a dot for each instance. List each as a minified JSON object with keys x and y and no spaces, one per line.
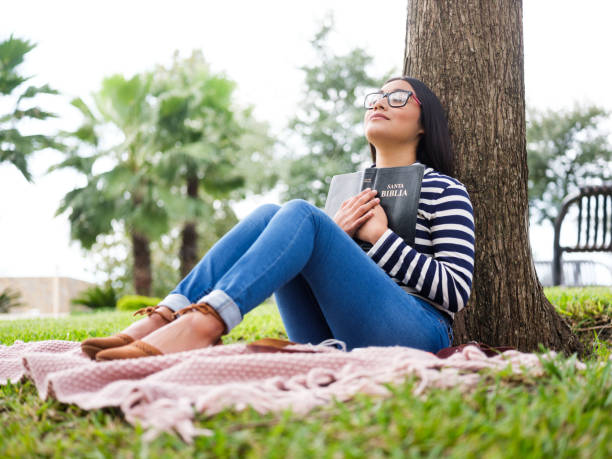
{"x":212,"y":152}
{"x":183,"y":154}
{"x":15,"y":147}
{"x":128,"y":191}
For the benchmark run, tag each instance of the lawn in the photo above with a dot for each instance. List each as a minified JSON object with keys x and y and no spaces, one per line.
{"x":566,"y":413}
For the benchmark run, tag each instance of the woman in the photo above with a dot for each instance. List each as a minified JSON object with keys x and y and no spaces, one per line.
{"x":325,"y":285}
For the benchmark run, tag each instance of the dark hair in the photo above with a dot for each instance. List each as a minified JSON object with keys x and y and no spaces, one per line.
{"x":434,"y":148}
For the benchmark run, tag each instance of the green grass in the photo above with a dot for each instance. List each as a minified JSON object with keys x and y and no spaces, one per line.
{"x":263,"y":321}
{"x":565,"y":413}
{"x":589,"y":311}
{"x":585,"y":306}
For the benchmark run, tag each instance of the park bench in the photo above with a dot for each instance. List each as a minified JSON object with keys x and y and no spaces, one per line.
{"x":594,"y":224}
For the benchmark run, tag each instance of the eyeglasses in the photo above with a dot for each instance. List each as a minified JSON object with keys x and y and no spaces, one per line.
{"x":397,"y":98}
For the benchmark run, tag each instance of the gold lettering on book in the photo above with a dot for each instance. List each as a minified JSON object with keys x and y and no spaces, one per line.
{"x":393,"y":193}
{"x":393,"y":190}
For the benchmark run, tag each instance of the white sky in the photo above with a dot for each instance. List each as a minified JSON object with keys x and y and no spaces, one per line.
{"x":260,"y":45}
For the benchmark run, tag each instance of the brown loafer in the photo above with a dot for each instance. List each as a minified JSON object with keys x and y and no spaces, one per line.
{"x":91,"y":346}
{"x":131,"y":351}
{"x":141,"y":349}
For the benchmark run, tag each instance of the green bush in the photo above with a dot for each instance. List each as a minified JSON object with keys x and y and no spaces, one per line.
{"x":589,"y":312}
{"x":135,"y":302}
{"x":582,"y":304}
{"x":97,"y":297}
{"x":9,"y":299}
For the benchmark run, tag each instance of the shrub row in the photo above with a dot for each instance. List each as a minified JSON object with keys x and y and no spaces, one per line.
{"x":135,"y":302}
{"x":105,"y":296}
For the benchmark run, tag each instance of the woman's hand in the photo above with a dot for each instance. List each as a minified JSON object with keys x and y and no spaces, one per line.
{"x":356,"y":211}
{"x":374,"y":227}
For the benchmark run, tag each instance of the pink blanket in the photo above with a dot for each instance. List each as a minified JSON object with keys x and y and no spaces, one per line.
{"x":162,"y":392}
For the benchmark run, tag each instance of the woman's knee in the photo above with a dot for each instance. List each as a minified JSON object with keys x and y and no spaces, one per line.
{"x":269,"y":208}
{"x":299,"y":204}
{"x":266,"y":211}
{"x":304,"y":208}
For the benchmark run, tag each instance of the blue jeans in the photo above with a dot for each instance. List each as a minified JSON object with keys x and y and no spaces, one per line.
{"x":326,"y":286}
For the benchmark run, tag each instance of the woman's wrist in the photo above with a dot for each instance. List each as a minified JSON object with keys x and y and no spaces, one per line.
{"x":377,"y":235}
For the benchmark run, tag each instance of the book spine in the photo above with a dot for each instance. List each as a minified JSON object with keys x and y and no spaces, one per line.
{"x":369,"y":175}
{"x":368,"y":181}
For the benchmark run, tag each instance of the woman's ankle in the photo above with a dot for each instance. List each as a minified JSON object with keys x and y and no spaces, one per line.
{"x":146,"y":325}
{"x":205,"y":325}
{"x":189,"y":331}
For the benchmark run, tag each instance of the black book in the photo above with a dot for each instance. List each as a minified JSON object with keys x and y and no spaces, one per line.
{"x":399,"y":190}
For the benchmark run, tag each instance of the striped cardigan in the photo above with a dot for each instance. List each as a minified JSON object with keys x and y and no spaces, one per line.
{"x":439,"y":268}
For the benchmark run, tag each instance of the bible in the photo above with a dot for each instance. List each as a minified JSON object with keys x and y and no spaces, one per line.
{"x":399,"y":190}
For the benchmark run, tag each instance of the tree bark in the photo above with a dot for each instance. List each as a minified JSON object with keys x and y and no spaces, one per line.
{"x":470,"y":53}
{"x":189,"y":237}
{"x":142,"y":264}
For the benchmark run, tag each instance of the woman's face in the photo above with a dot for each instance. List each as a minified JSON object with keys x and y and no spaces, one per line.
{"x":397,"y":125}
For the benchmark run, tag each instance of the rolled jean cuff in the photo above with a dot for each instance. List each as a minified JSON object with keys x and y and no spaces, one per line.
{"x":225,"y":306}
{"x":175,"y":301}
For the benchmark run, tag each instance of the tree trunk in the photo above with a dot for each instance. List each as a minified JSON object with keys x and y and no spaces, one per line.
{"x":142,"y":264}
{"x":189,"y":236}
{"x":470,"y":53}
